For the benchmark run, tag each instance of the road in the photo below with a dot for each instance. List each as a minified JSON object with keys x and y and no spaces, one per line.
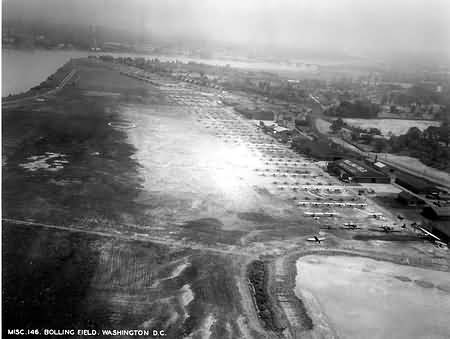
{"x":437,"y":177}
{"x":136,"y":237}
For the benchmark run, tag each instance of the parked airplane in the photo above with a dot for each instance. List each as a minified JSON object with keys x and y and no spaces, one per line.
{"x":350,"y":226}
{"x":386,"y":229}
{"x":320,"y":214}
{"x":316,"y":239}
{"x":377,"y":215}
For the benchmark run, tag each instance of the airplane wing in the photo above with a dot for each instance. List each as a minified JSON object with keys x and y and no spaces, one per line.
{"x":429,"y":233}
{"x":314,"y":239}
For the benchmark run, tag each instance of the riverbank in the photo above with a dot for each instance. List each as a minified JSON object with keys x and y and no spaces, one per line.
{"x":24,"y":69}
{"x":377,"y":295}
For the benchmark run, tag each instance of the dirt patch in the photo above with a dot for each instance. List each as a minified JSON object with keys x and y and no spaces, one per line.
{"x":402,"y":278}
{"x":424,"y":283}
{"x":444,"y":287}
{"x":256,"y":217}
{"x":209,"y":231}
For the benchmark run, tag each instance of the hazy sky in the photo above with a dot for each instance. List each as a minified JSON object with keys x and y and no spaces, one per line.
{"x":358,"y":27}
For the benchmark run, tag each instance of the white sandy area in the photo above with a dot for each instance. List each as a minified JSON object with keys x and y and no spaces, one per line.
{"x":364,"y":298}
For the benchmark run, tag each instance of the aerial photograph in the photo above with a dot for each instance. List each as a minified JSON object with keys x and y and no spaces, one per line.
{"x":198,"y":169}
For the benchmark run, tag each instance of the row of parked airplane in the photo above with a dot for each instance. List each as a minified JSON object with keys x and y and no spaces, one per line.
{"x":320,"y":214}
{"x":388,"y":229}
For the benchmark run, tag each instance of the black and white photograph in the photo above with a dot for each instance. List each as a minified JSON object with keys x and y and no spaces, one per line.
{"x":225,"y":169}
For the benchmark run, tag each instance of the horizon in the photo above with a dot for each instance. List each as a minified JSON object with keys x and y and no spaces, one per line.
{"x":402,"y":30}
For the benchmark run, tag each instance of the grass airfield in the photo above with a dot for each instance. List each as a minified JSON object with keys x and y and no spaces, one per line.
{"x":130,"y":204}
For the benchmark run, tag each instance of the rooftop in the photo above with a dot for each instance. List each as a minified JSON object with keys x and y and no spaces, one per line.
{"x":415,"y":184}
{"x":358,"y":169}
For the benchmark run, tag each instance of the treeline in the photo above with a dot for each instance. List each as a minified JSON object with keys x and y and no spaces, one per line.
{"x":430,"y":146}
{"x":417,"y":94}
{"x":319,"y":148}
{"x":338,"y":124}
{"x":257,"y":276}
{"x":357,"y":109}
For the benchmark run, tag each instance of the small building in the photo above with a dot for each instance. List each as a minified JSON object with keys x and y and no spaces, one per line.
{"x":282,"y":133}
{"x":351,"y":170}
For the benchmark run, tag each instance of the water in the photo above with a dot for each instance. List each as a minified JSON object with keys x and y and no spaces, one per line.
{"x":364,"y":298}
{"x":22,"y":70}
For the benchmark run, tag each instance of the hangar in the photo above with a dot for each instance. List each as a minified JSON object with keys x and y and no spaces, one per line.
{"x":351,"y":170}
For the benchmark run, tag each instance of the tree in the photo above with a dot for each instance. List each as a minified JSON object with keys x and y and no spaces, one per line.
{"x":374,"y":131}
{"x":355,"y":136}
{"x":379,"y":145}
{"x":444,"y":133}
{"x":337,"y":125}
{"x":357,"y":109}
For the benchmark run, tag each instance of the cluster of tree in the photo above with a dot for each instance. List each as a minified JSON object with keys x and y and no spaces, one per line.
{"x":276,"y":89}
{"x":258,"y":279}
{"x":416,"y":95}
{"x":306,"y":121}
{"x":320,"y":148}
{"x":338,"y":124}
{"x":257,"y":114}
{"x":356,"y":109}
{"x":151,"y":65}
{"x":430,"y":146}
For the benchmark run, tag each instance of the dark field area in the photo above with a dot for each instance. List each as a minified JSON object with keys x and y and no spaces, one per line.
{"x":77,"y":281}
{"x":98,"y":164}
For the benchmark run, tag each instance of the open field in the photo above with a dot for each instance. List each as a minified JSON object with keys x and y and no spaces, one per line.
{"x":171,"y":195}
{"x":391,"y":126}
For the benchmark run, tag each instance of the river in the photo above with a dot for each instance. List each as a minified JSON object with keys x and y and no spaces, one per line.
{"x":23,"y":69}
{"x":363,"y":298}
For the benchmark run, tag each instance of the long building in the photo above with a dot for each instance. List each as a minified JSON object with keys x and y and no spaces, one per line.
{"x":437,"y":212}
{"x":355,"y":171}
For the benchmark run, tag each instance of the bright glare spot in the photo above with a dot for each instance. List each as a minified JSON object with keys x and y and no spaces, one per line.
{"x":231,"y":166}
